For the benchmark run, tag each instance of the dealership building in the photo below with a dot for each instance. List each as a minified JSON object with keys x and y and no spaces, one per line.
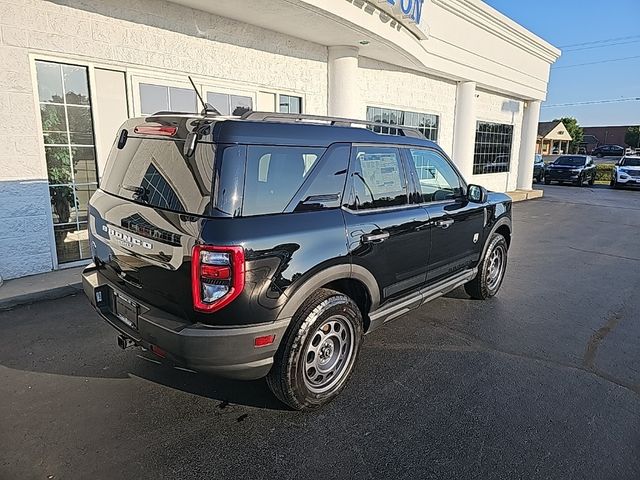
{"x":73,"y":70}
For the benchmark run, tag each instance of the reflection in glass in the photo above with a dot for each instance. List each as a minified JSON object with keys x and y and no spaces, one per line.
{"x":75,"y":85}
{"x":83,"y":195}
{"x":58,"y":165}
{"x":84,"y":164}
{"x":67,"y":244}
{"x":66,"y":122}
{"x":49,"y":82}
{"x":219,"y":101}
{"x":63,"y":204}
{"x":54,"y":118}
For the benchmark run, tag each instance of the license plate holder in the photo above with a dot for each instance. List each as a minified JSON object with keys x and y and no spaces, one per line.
{"x":126,"y":310}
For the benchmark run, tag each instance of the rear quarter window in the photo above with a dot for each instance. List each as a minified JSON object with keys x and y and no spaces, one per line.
{"x":274,"y":174}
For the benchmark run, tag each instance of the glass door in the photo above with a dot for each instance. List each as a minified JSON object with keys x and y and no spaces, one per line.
{"x":67,"y":125}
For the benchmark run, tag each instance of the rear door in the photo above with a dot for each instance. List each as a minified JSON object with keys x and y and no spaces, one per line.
{"x":146,"y":217}
{"x":456,"y":225}
{"x":386,"y":234}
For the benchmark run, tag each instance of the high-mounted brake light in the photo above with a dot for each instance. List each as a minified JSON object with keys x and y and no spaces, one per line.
{"x":217,"y":276}
{"x":160,"y":130}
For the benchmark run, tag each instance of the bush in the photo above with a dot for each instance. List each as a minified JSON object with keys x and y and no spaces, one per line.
{"x":604,"y":172}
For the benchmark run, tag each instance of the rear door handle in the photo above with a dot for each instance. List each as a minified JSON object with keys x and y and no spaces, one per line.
{"x":375,"y":237}
{"x":444,"y":224}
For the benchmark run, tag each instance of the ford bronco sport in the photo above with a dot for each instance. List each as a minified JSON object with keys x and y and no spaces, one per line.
{"x":269,"y":244}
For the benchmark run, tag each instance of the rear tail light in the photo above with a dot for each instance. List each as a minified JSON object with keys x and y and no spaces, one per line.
{"x":217,"y":276}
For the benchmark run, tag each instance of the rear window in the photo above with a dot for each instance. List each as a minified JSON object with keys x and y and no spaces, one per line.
{"x":273,"y":175}
{"x":155,"y":172}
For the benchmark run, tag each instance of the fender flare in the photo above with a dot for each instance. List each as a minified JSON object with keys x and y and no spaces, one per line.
{"x":502,"y":221}
{"x":335,"y":272}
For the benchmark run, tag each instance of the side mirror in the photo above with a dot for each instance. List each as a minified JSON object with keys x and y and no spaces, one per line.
{"x":476,"y":194}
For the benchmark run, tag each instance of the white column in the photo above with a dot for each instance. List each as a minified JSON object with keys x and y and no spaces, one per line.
{"x":344,"y":92}
{"x":464,"y":133}
{"x":528,"y":145}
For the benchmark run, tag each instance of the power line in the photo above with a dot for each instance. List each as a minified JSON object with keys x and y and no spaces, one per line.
{"x":593,"y":102}
{"x":595,"y":42}
{"x":597,"y":63}
{"x":605,"y":45}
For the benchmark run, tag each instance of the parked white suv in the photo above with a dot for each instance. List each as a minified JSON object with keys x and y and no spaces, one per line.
{"x":626,"y":172}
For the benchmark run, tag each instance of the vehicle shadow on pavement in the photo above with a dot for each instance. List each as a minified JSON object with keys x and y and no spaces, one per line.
{"x":79,"y":344}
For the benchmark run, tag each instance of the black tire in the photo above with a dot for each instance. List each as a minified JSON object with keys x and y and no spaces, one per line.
{"x":547,"y":181}
{"x":482,"y":286}
{"x":289,"y":378}
{"x":540,"y":177}
{"x":580,"y":181}
{"x":592,"y":180}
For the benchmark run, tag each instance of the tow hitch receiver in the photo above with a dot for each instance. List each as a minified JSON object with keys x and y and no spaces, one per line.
{"x":125,"y":342}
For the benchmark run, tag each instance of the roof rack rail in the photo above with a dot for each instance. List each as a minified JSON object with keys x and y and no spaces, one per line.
{"x":337,"y":121}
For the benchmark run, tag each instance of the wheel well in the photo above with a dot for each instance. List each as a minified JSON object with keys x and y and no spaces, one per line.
{"x":506,"y":233}
{"x":357,"y":291}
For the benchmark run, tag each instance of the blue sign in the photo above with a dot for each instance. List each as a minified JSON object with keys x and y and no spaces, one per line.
{"x":411,"y":9}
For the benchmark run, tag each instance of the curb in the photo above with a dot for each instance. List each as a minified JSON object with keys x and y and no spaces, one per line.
{"x":40,"y":296}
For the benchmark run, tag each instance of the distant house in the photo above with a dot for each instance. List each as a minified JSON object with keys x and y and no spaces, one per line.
{"x":552,"y":138}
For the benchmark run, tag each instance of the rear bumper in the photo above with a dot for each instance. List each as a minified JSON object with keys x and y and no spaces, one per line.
{"x":227,"y":352}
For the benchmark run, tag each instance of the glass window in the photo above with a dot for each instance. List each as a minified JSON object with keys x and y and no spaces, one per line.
{"x":492,"y":148}
{"x":182,"y":100}
{"x":274,"y":175}
{"x":230,"y":104}
{"x":240,"y":104}
{"x":290,"y":104}
{"x":326,"y":183}
{"x":67,"y":125}
{"x":219,"y":101}
{"x":437,"y":179}
{"x":426,"y":123}
{"x":377,"y":178}
{"x":153,"y":98}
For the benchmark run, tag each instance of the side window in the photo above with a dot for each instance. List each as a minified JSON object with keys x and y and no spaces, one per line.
{"x":377,"y":178}
{"x":437,"y":180}
{"x":274,"y":175}
{"x":324,"y":188}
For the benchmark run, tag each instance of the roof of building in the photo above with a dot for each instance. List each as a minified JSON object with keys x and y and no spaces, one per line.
{"x":544,"y":128}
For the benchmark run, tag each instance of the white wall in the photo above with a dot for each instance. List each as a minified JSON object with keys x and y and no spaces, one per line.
{"x":385,"y":85}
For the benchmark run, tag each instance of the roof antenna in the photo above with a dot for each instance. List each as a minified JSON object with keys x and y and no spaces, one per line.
{"x":207,"y":107}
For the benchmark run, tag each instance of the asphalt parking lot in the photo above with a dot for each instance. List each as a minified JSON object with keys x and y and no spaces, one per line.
{"x":541,"y":382}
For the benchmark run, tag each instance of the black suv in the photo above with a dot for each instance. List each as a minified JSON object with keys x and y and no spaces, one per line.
{"x":576,"y":169}
{"x":267,"y":245}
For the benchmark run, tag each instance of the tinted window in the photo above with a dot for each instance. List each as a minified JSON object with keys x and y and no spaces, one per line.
{"x":326,"y":182}
{"x":274,"y":175}
{"x":155,"y":172}
{"x":437,"y":180}
{"x":377,"y":178}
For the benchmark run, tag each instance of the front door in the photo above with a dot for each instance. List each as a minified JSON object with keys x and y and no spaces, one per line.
{"x":456,"y":225}
{"x":386,"y":235}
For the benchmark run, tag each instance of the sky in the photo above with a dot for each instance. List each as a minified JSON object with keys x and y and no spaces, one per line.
{"x":569,"y":22}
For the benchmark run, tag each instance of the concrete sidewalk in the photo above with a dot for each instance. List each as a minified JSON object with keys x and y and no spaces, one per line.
{"x":35,"y":288}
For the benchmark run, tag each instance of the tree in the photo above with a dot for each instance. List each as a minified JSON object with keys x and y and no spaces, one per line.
{"x":575,"y":130}
{"x":632,"y":137}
